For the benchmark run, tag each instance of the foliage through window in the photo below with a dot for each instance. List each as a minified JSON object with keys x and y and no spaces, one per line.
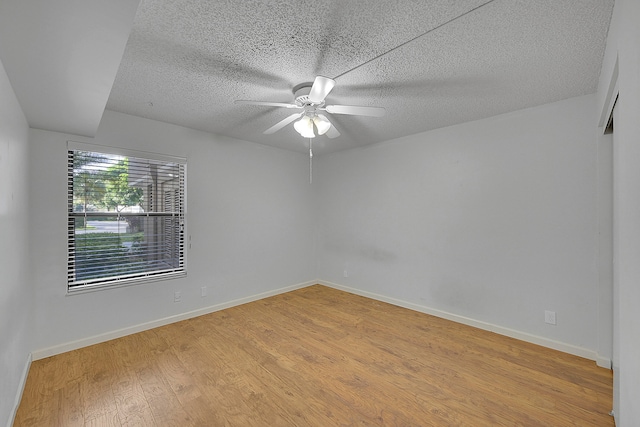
{"x":126,"y":218}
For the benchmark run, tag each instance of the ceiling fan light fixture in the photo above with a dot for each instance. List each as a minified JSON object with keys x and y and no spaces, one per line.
{"x":310,"y":98}
{"x":322,"y":124}
{"x":304,"y":127}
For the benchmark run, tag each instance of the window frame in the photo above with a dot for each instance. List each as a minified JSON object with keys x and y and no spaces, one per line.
{"x":75,"y":286}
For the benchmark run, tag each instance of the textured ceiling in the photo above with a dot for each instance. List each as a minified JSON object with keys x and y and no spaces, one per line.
{"x":430,"y":64}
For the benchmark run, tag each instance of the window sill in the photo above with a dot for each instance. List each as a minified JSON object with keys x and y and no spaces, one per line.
{"x":121,"y":283}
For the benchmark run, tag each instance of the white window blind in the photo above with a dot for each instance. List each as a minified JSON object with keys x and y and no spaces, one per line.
{"x":126,"y":219}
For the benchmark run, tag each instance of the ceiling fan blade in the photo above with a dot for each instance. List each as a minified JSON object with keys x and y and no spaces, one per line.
{"x":320,"y":89}
{"x":282,"y":123}
{"x":332,"y":132}
{"x":355,"y":110}
{"x":266,"y":104}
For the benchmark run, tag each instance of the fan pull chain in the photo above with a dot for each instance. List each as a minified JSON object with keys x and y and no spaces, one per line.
{"x":310,"y":161}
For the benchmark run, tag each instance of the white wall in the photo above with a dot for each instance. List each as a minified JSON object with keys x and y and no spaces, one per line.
{"x":16,"y":290}
{"x":605,"y":247}
{"x":623,"y":45}
{"x":249,"y":215}
{"x":493,"y":221}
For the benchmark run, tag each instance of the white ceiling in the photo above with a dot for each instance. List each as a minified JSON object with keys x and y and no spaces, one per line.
{"x":62,"y":56}
{"x":429,"y":63}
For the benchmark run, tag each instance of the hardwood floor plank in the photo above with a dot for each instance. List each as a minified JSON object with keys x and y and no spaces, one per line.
{"x":130,"y":401}
{"x":36,"y":399}
{"x":106,"y":419}
{"x":180,"y":381}
{"x":69,"y":406}
{"x":390,"y":366}
{"x":97,"y":363}
{"x":164,"y":404}
{"x":225,"y":403}
{"x":451,"y":346}
{"x":316,"y":356}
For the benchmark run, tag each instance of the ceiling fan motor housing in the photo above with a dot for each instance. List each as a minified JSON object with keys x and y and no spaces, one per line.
{"x":301,"y":94}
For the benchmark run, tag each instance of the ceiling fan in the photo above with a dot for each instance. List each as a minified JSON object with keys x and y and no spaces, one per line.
{"x":310,"y":98}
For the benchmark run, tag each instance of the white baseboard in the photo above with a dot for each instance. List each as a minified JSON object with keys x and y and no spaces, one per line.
{"x":603,"y":362}
{"x":523,"y":336}
{"x":534,"y":339}
{"x":96,"y":339}
{"x":20,"y":391}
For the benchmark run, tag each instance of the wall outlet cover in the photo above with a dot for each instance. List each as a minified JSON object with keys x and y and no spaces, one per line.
{"x":550,"y":317}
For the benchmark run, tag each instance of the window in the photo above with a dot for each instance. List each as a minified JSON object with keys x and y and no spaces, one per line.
{"x":126,"y":217}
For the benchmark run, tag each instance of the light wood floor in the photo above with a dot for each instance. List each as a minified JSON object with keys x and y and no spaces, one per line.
{"x":316,"y":357}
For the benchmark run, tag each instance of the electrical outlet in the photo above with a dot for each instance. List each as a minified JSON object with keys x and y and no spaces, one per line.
{"x":177,"y":296}
{"x":203,"y":291}
{"x":345,"y":272}
{"x":550,"y":317}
